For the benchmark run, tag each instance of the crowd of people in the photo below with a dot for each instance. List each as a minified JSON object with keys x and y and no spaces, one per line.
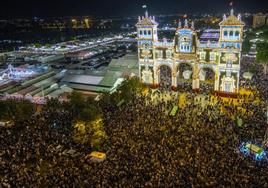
{"x":145,"y":146}
{"x":165,"y":77}
{"x":197,"y":147}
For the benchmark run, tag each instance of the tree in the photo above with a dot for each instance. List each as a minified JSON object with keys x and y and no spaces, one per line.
{"x":262,"y":56}
{"x":90,"y":113}
{"x":16,"y":110}
{"x":3,"y":110}
{"x":246,"y":46}
{"x":130,"y":88}
{"x":91,"y":133}
{"x":77,"y":102}
{"x":37,"y":45}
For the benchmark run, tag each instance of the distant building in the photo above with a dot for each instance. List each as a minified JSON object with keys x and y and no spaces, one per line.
{"x":162,"y":61}
{"x":259,"y":20}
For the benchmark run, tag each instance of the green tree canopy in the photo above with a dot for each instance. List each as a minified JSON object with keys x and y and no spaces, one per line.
{"x":246,"y":46}
{"x":16,"y":110}
{"x":77,"y":102}
{"x":262,"y":55}
{"x":130,"y":88}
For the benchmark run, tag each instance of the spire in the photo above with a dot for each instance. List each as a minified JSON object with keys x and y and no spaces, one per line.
{"x":139,"y":18}
{"x":232,"y":12}
{"x":186,"y":23}
{"x":239,"y":17}
{"x":224,"y":17}
{"x":146,"y":14}
{"x":153,"y":18}
{"x":192,"y":25}
{"x":179,"y":25}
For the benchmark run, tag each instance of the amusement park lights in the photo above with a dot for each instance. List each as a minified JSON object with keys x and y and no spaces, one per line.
{"x":16,"y":73}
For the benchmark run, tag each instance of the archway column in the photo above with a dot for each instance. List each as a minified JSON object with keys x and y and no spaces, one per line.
{"x":156,"y":76}
{"x":174,"y":79}
{"x":217,"y":80}
{"x":196,"y":81}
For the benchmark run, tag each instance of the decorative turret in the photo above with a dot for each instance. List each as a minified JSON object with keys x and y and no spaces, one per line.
{"x":192,"y":25}
{"x":239,"y":17}
{"x":232,"y":12}
{"x":224,"y":17}
{"x":230,"y":42}
{"x":147,"y":27}
{"x":185,"y":38}
{"x":179,"y":25}
{"x":231,"y":27}
{"x":146,"y":14}
{"x":186,"y":23}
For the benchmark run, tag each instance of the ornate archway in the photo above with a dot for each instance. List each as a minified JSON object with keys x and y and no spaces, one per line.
{"x":184,"y":76}
{"x":207,"y":78}
{"x":165,"y":77}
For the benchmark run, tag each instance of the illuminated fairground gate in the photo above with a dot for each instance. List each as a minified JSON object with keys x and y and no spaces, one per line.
{"x":211,"y":61}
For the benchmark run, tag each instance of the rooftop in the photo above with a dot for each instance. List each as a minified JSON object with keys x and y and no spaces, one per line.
{"x":103,"y":79}
{"x":146,"y":21}
{"x":82,"y":79}
{"x":232,"y":20}
{"x":212,"y":35}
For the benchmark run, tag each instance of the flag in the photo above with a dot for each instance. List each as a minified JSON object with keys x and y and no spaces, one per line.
{"x":144,"y":6}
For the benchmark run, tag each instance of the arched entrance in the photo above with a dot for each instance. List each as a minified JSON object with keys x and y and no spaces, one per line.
{"x":184,"y":77}
{"x":207,"y":79}
{"x":165,"y":77}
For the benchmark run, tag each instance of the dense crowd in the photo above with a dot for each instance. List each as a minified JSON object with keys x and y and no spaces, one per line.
{"x":165,"y":77}
{"x":146,"y":147}
{"x":198,"y":147}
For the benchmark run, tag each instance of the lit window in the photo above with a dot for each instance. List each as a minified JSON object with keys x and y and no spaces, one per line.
{"x":212,"y":56}
{"x":159,"y":54}
{"x":229,"y":64}
{"x":168,"y":54}
{"x":202,"y":55}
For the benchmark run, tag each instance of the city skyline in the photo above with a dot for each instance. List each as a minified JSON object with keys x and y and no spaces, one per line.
{"x":26,"y":9}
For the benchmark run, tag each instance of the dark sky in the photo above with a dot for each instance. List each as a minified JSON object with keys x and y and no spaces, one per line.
{"x":108,"y":8}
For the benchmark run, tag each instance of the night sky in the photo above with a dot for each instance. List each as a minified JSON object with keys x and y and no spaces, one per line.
{"x":113,"y":8}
